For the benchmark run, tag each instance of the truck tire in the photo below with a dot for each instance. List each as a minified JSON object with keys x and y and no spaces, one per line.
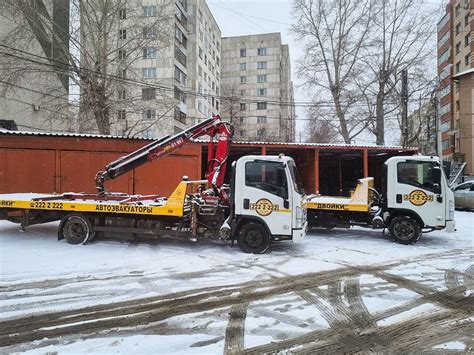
{"x":405,"y":230}
{"x":77,"y":228}
{"x":253,"y":238}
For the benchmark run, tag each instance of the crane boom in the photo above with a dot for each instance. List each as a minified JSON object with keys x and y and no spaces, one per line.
{"x":217,"y":158}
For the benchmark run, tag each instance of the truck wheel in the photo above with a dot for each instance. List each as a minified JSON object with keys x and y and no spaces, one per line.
{"x":77,"y":228}
{"x":405,"y":230}
{"x":253,"y":238}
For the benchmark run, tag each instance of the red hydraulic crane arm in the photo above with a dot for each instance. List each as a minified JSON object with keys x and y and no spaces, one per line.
{"x":162,"y":147}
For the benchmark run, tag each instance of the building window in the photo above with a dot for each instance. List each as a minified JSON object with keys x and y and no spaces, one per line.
{"x":122,"y":34}
{"x":148,"y":94}
{"x":180,"y":56}
{"x":149,"y":53}
{"x":458,"y":47}
{"x":445,"y":91}
{"x":179,"y":75}
{"x":181,"y":17}
{"x":458,"y":28}
{"x":261,"y":119}
{"x":243,"y":66}
{"x":446,"y":143}
{"x":199,"y":70}
{"x":242,"y":92}
{"x":467,"y":39}
{"x":149,"y":73}
{"x":445,"y":109}
{"x":261,"y":106}
{"x":122,"y":74}
{"x":122,"y":54}
{"x":458,"y":67}
{"x":445,"y":126}
{"x":181,"y":37}
{"x":149,"y":33}
{"x":200,"y":53}
{"x":122,"y":14}
{"x":262,"y":65}
{"x":261,"y":132}
{"x":467,"y":60}
{"x":458,"y":10}
{"x":149,"y":114}
{"x":262,"y":78}
{"x":444,"y":57}
{"x":121,"y":114}
{"x":458,"y":106}
{"x":243,"y":79}
{"x":243,"y":106}
{"x":445,"y":73}
{"x":149,"y":11}
{"x":243,"y":53}
{"x":262,"y":51}
{"x":444,"y":39}
{"x":466,"y":20}
{"x":261,"y":92}
{"x":122,"y":94}
{"x":179,"y":115}
{"x":217,"y":61}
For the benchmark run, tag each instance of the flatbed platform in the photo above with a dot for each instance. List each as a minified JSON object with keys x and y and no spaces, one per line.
{"x":358,"y":202}
{"x":152,"y":205}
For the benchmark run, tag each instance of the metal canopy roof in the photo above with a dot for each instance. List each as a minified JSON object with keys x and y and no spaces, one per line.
{"x":242,"y":143}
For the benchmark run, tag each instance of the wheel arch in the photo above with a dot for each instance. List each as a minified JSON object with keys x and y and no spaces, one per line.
{"x":404,"y":212}
{"x":241,"y":220}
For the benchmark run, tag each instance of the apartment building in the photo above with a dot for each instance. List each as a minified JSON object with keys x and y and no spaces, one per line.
{"x":204,"y":61}
{"x":33,"y":96}
{"x":256,"y":87}
{"x":455,"y":93}
{"x":182,"y":72}
{"x":151,"y":60}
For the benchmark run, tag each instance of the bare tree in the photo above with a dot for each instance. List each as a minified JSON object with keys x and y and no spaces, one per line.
{"x":320,"y":131}
{"x":97,"y":56}
{"x":401,"y":38}
{"x":231,"y":108}
{"x":334,"y":34}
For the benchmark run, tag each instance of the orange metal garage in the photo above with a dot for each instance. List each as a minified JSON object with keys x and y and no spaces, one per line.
{"x":50,"y":162}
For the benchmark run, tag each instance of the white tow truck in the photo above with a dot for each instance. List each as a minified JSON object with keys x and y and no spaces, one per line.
{"x":415,"y":198}
{"x":262,"y":204}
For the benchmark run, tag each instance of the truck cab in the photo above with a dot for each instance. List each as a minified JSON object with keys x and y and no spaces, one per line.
{"x":267,"y":195}
{"x":416,"y":196}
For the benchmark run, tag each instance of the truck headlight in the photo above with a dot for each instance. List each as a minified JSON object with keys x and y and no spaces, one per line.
{"x":300,"y":217}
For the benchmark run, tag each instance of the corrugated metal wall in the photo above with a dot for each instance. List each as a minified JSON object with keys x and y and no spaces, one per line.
{"x":58,"y":164}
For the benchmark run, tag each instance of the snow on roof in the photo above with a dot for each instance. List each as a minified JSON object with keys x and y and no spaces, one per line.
{"x":467,"y":71}
{"x":65,"y":134}
{"x":256,"y":143}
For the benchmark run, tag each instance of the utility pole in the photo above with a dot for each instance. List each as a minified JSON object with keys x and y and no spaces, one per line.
{"x":404,"y":101}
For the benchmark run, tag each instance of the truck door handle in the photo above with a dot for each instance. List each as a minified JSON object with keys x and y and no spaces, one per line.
{"x":246,"y":203}
{"x":399,"y":198}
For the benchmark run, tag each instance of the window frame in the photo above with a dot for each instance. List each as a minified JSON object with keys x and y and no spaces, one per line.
{"x":405,"y":180}
{"x":272,"y":189}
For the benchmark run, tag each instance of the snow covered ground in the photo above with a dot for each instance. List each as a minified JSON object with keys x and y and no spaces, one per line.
{"x":339,"y":291}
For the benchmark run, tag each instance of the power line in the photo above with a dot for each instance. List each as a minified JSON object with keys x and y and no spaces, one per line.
{"x":243,"y":99}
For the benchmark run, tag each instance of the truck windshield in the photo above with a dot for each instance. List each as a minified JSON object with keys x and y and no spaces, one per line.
{"x":295,"y":176}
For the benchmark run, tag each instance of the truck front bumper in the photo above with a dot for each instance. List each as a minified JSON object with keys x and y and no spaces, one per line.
{"x":299,"y":234}
{"x":450,"y":226}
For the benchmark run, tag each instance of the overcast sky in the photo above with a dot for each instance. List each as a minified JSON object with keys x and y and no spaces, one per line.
{"x":242,"y":17}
